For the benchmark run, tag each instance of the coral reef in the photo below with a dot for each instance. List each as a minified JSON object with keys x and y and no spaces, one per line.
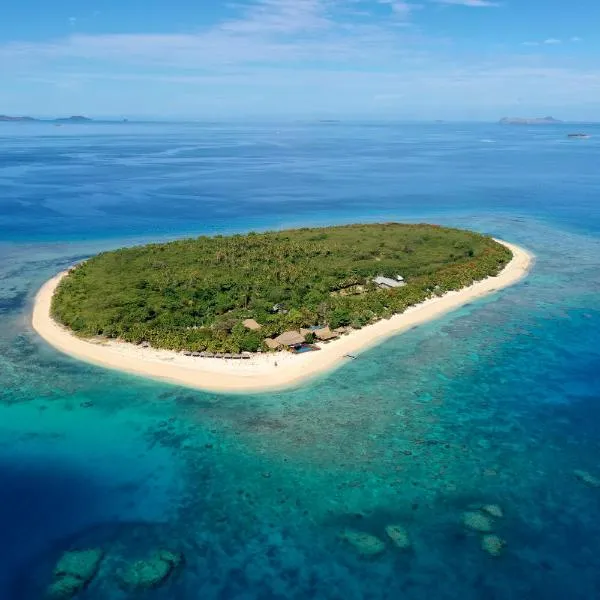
{"x":152,"y":572}
{"x":73,"y":571}
{"x":587,"y":478}
{"x":477,"y":521}
{"x":399,"y":536}
{"x":493,"y":510}
{"x":65,"y":587}
{"x":493,"y":544}
{"x":364,"y":543}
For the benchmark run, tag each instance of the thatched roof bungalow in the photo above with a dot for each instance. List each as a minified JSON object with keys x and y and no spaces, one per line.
{"x":343,"y":330}
{"x":325,"y":334}
{"x":272,"y":344}
{"x":290,"y":338}
{"x":251,"y":324}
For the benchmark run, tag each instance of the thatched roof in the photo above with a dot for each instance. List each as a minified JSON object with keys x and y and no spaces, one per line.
{"x":290,"y":338}
{"x":342,"y":330}
{"x":251,"y":324}
{"x":325,"y":334}
{"x":271,"y":343}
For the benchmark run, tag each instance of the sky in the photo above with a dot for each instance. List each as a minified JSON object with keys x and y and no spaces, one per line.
{"x":242,"y":59}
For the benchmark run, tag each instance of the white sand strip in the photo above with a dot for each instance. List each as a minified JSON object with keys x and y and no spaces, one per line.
{"x":261,"y":372}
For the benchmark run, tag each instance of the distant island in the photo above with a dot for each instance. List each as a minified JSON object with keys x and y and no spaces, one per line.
{"x":16,"y":119}
{"x":529,"y":121}
{"x":73,"y":119}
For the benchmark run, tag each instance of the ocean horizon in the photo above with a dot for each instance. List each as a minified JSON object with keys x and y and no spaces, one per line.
{"x":496,"y":403}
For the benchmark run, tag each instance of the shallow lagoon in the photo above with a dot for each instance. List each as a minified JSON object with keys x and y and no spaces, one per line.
{"x":496,"y":403}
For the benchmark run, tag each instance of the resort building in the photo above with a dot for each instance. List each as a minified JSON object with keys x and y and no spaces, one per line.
{"x":272,"y":344}
{"x":289,"y":338}
{"x":388,"y":283}
{"x":325,"y":334}
{"x":251,"y":324}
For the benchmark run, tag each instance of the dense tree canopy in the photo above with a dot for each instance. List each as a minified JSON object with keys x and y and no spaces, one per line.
{"x":193,"y":294}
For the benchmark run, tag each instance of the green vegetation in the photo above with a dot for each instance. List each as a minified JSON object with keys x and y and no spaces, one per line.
{"x":193,"y":294}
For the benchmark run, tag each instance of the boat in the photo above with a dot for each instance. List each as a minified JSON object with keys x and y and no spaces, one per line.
{"x":582,"y":136}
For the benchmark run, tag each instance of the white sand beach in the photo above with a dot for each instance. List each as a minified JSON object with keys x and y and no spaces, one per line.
{"x":261,"y":372}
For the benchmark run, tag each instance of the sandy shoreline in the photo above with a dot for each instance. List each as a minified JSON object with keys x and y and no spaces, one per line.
{"x":260,"y":373}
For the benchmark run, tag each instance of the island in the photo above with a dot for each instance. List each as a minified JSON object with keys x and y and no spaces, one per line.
{"x":25,"y":119}
{"x":529,"y":121}
{"x":266,"y":310}
{"x":74,"y":119}
{"x":6,"y":118}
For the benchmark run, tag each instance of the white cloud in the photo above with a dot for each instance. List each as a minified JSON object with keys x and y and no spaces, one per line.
{"x":552,"y":42}
{"x":270,"y":32}
{"x":400,"y":8}
{"x":475,"y":3}
{"x":284,"y":52}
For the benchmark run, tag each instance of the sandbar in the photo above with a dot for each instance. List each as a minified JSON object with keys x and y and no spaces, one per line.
{"x":262,"y":372}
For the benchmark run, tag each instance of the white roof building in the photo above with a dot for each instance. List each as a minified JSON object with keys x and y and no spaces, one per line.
{"x":388,"y":282}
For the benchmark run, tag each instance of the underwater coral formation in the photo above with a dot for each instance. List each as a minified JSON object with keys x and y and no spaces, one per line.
{"x":399,"y":536}
{"x":364,"y":543}
{"x":151,"y":572}
{"x":73,"y":572}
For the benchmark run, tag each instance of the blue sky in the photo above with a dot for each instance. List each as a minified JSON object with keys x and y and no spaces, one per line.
{"x":427,"y":59}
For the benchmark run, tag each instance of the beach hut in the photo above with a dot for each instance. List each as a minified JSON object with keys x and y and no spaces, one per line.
{"x":290,"y":338}
{"x":272,"y":344}
{"x":325,"y":334}
{"x":251,"y":324}
{"x":343,"y":330}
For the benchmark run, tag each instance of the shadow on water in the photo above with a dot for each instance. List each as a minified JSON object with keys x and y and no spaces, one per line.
{"x":40,"y":502}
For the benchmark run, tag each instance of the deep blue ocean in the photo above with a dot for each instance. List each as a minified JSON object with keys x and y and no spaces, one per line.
{"x":497,"y":403}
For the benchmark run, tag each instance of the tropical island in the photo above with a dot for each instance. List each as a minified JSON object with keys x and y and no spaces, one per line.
{"x":270,"y":298}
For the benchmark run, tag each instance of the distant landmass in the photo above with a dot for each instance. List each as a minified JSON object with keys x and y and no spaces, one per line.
{"x":529,"y":121}
{"x":7,"y":118}
{"x":73,"y":119}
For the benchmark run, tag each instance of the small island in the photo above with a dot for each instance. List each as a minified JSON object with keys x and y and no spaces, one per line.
{"x":9,"y":119}
{"x":265,"y":310}
{"x":73,"y":119}
{"x":25,"y":119}
{"x":529,"y":121}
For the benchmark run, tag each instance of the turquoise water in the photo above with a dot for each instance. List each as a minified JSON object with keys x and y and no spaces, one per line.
{"x":497,"y":403}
